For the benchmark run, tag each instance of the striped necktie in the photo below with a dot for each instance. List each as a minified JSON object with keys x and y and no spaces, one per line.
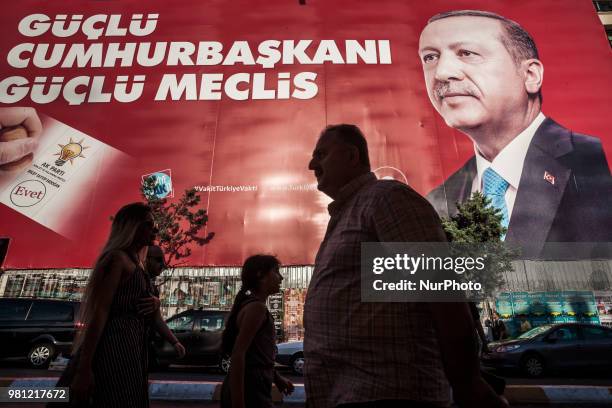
{"x":494,"y":188}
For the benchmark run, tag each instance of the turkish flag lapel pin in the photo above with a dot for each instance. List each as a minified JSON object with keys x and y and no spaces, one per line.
{"x":549,"y":177}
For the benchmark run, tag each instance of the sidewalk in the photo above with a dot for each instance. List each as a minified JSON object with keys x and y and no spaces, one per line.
{"x":211,"y":391}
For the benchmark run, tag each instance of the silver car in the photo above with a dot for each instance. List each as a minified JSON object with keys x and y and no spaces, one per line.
{"x":291,"y":354}
{"x":552,"y":347}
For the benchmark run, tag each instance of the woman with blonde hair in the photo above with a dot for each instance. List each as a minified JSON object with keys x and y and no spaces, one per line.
{"x":109,"y":367}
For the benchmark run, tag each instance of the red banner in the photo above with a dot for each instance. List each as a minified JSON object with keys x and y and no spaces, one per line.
{"x":230,"y":97}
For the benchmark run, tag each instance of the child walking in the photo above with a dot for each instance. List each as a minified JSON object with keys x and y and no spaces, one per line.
{"x":249,"y":338}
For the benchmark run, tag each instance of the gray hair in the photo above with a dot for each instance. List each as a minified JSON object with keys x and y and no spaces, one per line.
{"x":517,"y":41}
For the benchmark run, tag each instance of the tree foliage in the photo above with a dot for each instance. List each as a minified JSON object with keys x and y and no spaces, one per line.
{"x":179,"y":222}
{"x":475,"y":231}
{"x":476,"y":222}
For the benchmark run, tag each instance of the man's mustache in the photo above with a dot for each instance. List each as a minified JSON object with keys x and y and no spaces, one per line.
{"x":441,"y":89}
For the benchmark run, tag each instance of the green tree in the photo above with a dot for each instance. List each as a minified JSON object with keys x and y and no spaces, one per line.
{"x":179,"y":222}
{"x":476,"y":231}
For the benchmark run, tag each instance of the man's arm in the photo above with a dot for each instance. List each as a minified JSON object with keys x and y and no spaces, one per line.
{"x":162,"y":328}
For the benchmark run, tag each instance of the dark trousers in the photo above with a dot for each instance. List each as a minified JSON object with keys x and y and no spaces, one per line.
{"x":389,"y":404}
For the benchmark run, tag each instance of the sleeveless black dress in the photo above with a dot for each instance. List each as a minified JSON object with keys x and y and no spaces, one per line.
{"x":120,"y":363}
{"x":259,"y":367}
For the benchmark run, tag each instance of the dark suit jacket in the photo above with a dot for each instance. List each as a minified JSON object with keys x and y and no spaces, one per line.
{"x":576,"y":208}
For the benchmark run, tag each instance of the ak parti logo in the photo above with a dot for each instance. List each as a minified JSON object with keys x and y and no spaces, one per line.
{"x":70,"y":151}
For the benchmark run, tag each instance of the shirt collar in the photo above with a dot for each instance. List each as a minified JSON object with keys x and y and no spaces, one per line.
{"x":509,"y":162}
{"x":349,"y":190}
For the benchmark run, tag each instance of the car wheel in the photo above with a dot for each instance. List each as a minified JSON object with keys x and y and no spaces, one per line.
{"x":532,"y":365}
{"x":224,"y":364}
{"x":297,"y":364}
{"x":41,"y":355}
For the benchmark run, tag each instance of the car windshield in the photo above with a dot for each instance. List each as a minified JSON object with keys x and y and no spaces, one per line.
{"x":535,"y":331}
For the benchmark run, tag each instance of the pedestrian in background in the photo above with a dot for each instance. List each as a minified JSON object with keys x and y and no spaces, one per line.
{"x":481,"y":336}
{"x":525,"y":325}
{"x":249,"y":337}
{"x":154,"y":265}
{"x":488,"y":331}
{"x":497,"y":383}
{"x":499,"y":328}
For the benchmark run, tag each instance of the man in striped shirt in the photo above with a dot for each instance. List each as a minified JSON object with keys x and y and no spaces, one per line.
{"x":360,"y":354}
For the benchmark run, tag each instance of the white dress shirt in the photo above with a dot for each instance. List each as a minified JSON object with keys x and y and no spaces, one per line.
{"x":509,"y":162}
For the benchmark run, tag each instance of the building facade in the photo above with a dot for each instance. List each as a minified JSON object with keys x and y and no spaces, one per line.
{"x":539,"y":291}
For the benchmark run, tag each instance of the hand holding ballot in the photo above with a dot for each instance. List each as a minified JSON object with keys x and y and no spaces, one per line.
{"x":20,"y":130}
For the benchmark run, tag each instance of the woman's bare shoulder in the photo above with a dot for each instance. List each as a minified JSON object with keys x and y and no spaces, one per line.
{"x":252,"y":310}
{"x":117,"y":259}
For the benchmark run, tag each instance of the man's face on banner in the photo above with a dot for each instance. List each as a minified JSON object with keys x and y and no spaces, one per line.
{"x":471,"y":78}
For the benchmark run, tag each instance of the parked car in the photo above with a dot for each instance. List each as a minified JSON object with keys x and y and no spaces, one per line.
{"x":553,"y":347}
{"x":38,"y":329}
{"x":200,"y":332}
{"x":291,"y":354}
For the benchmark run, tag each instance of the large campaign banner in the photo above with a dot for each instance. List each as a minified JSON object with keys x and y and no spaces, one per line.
{"x":230,"y":98}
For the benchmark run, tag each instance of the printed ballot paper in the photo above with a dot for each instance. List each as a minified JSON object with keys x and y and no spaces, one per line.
{"x":62,"y":174}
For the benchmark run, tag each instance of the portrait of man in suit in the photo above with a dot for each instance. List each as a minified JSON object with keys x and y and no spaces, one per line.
{"x":484,"y":77}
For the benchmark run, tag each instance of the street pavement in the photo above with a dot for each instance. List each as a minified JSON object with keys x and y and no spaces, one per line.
{"x":20,"y":369}
{"x":171,"y":404}
{"x":17,"y":369}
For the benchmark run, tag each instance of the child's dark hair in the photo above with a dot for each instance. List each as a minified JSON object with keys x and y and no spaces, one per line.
{"x":250,"y":279}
